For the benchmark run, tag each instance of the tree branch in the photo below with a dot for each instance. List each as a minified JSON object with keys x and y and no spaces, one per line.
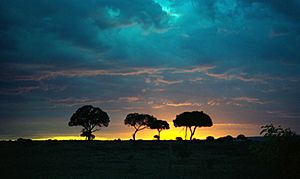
{"x":185,"y":133}
{"x":93,"y":126}
{"x":192,"y":132}
{"x":95,"y":130}
{"x":190,"y":129}
{"x":142,"y":128}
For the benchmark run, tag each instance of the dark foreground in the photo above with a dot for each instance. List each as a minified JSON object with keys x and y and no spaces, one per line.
{"x":142,"y":159}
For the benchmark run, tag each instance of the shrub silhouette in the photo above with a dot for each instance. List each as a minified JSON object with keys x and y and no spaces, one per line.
{"x":279,"y":151}
{"x":159,"y":125}
{"x":88,"y":135}
{"x":23,"y":140}
{"x":272,"y":131}
{"x":192,"y":119}
{"x":210,"y":138}
{"x":227,"y":138}
{"x":89,"y":118}
{"x":241,"y":137}
{"x":179,"y":138}
{"x":138,"y":121}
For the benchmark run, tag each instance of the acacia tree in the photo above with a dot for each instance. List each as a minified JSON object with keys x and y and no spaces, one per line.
{"x":89,"y":118}
{"x":192,"y":119}
{"x":159,"y":125}
{"x":138,"y":121}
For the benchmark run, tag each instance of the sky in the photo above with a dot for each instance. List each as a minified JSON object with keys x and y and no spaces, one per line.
{"x":236,"y":60}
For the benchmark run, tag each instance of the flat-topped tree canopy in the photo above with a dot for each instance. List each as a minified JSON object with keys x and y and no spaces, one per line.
{"x":139,"y":121}
{"x":193,"y":119}
{"x":136,"y":119}
{"x":159,"y":125}
{"x":89,"y":117}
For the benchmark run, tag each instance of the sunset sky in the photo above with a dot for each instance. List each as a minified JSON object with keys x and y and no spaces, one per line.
{"x":236,"y":60}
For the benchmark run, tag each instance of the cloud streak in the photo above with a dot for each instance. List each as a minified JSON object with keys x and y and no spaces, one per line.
{"x":248,"y":100}
{"x":19,"y":90}
{"x":73,"y":73}
{"x":156,"y":73}
{"x":71,"y":101}
{"x":176,"y":105}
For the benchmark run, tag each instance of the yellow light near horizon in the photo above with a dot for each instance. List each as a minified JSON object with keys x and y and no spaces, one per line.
{"x":218,"y":130}
{"x":67,"y":138}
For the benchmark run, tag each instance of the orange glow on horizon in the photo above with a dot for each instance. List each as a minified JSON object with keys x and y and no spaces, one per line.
{"x":218,"y":130}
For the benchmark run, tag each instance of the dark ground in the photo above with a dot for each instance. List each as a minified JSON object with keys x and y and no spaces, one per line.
{"x":141,"y":159}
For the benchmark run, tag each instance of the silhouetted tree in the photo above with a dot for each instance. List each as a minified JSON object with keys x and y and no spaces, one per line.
{"x":138,"y":121}
{"x":192,"y":119}
{"x":89,"y":118}
{"x":159,"y":125}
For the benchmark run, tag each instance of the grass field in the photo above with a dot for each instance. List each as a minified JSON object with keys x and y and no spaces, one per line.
{"x":128,"y":159}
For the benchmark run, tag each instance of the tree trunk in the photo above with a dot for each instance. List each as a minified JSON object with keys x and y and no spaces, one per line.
{"x":185,"y":133}
{"x":158,"y":135}
{"x":133,"y":136}
{"x":191,"y":137}
{"x":89,"y":135}
{"x":192,"y":132}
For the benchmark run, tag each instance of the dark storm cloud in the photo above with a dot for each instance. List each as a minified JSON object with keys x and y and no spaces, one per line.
{"x":213,"y":9}
{"x":65,"y":31}
{"x":245,"y":30}
{"x":126,"y":13}
{"x":289,"y":8}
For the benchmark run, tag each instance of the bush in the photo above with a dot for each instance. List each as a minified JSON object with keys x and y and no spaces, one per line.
{"x":227,"y":138}
{"x":23,"y":140}
{"x":179,"y":138}
{"x":156,"y":137}
{"x":279,"y":152}
{"x":210,"y":138}
{"x":241,"y":137}
{"x":272,"y":131}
